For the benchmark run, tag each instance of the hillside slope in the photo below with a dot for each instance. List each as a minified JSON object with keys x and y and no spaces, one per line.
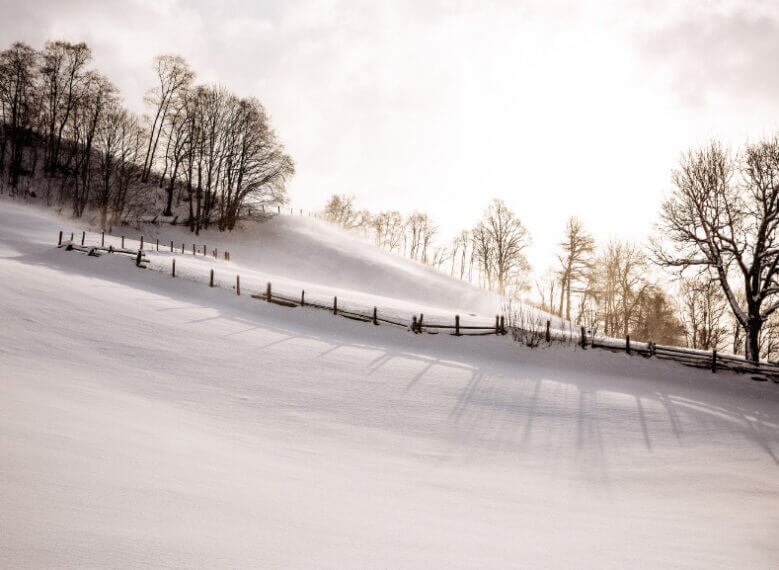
{"x":152,"y":422}
{"x":297,"y":253}
{"x":300,"y":252}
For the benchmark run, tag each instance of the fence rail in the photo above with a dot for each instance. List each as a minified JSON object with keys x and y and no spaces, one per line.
{"x":689,"y":357}
{"x":98,"y":242}
{"x":712,"y":360}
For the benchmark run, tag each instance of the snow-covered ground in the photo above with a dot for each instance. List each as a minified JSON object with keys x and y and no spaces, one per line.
{"x":297,"y":253}
{"x":147,"y":421}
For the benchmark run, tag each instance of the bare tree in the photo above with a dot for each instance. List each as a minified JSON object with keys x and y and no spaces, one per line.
{"x":728,"y":226}
{"x":65,"y":82}
{"x":176,"y":136}
{"x":499,"y":242}
{"x":17,"y":99}
{"x":619,"y":286}
{"x":256,"y":167}
{"x":173,"y":76}
{"x":219,"y":148}
{"x":440,"y":255}
{"x":702,"y":308}
{"x":118,"y":146}
{"x":87,"y":114}
{"x":482,"y":254}
{"x":575,"y":259}
{"x":459,"y":249}
{"x":388,"y":229}
{"x":420,"y":231}
{"x":340,"y":210}
{"x":547,"y":287}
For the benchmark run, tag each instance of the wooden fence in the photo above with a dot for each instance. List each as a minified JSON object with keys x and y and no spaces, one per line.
{"x":711,"y":360}
{"x":760,"y":371}
{"x":416,"y":323}
{"x":156,"y":245}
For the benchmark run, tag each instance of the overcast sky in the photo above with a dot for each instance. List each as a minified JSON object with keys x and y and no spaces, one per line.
{"x":557,"y":107}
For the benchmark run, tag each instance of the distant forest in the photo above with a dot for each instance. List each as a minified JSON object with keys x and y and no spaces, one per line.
{"x":201,"y":153}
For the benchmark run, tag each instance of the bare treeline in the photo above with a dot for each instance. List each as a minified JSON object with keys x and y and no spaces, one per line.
{"x":609,"y":289}
{"x":717,"y":241}
{"x":490,"y":255}
{"x":718,"y":238}
{"x":721,"y":222}
{"x":202,"y":153}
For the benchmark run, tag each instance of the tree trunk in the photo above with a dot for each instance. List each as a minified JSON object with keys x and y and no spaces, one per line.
{"x":168,"y":211}
{"x":752,"y":344}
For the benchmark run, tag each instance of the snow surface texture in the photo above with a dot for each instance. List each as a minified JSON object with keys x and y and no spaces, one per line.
{"x":147,"y":421}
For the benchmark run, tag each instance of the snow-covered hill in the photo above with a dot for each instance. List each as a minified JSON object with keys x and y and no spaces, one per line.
{"x":297,"y":253}
{"x":153,"y":422}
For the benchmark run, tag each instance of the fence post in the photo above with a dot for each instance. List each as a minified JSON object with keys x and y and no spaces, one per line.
{"x":414,"y":324}
{"x":238,"y":285}
{"x":335,"y":305}
{"x":216,"y":252}
{"x":83,"y":235}
{"x":138,"y":258}
{"x":457,"y":325}
{"x":502,"y":324}
{"x":182,"y":249}
{"x":211,"y":282}
{"x":627,"y":343}
{"x":651,"y":348}
{"x":102,"y":239}
{"x":375,"y":320}
{"x":303,"y":298}
{"x":122,"y":242}
{"x":141,"y":242}
{"x":548,"y":335}
{"x":59,"y":240}
{"x":584,"y":337}
{"x":497,"y":324}
{"x":714,"y":361}
{"x":158,"y":244}
{"x":193,"y":249}
{"x":205,"y":250}
{"x":268,"y":292}
{"x":173,"y":269}
{"x":171,"y":246}
{"x":279,"y":207}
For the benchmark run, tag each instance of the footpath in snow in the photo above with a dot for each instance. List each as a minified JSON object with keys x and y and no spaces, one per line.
{"x":150,"y":421}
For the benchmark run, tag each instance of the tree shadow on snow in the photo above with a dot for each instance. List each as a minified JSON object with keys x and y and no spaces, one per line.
{"x":503,"y":396}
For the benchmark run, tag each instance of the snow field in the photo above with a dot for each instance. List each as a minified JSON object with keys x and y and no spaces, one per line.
{"x":148,"y":422}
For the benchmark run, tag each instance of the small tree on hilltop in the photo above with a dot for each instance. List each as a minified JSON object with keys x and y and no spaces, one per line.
{"x":340,"y":210}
